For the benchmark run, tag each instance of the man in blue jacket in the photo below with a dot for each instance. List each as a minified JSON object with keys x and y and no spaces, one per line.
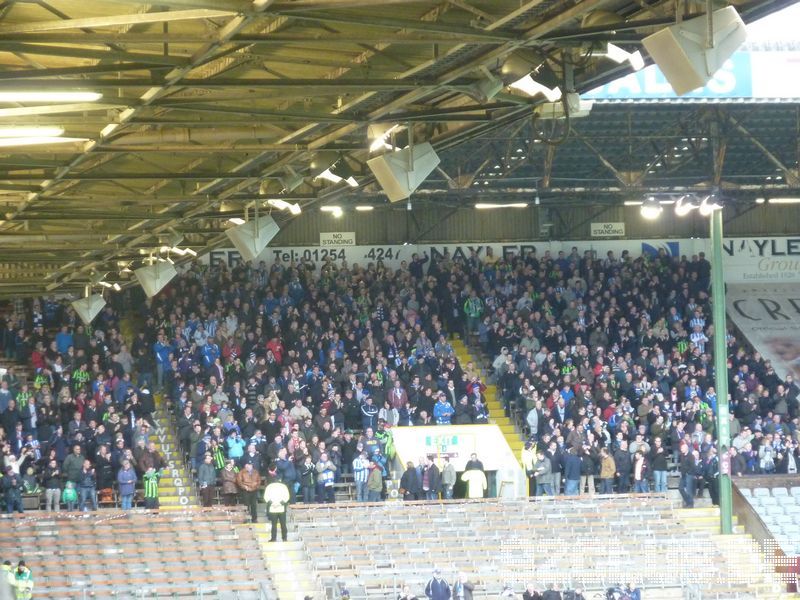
{"x":572,"y":472}
{"x":437,"y":588}
{"x":442,"y":411}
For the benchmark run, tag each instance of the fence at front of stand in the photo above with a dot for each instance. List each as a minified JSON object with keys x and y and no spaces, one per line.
{"x":176,"y":590}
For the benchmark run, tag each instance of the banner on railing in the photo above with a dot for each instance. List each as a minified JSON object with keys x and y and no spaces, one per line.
{"x":769,"y":316}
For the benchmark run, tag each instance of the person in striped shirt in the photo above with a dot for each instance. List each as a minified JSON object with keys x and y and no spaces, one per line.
{"x":361,"y":475}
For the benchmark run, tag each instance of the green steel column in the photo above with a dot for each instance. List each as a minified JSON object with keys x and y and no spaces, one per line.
{"x":721,"y":370}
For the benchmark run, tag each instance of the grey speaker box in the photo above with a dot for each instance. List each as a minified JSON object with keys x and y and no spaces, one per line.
{"x":252,"y":237}
{"x":400,"y":173}
{"x":88,"y":308}
{"x":681,"y":54}
{"x":154,"y":277}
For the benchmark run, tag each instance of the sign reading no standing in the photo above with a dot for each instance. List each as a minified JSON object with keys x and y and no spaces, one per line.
{"x":343,"y":238}
{"x":607,"y":230}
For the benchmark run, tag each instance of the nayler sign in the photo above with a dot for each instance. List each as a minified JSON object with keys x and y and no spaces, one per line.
{"x":328,"y":240}
{"x":747,"y":260}
{"x":607,"y":230}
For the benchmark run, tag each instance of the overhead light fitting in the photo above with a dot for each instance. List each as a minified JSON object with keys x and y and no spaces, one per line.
{"x":333,"y":167}
{"x":783,"y":200}
{"x":485,"y":89}
{"x":282,"y":204}
{"x":709,"y":205}
{"x":685,"y":205}
{"x":38,"y":141}
{"x":22,"y":132}
{"x":487,"y":206}
{"x":291,"y":181}
{"x":620,"y":55}
{"x":364,"y":208}
{"x":23,"y":97}
{"x":380,"y":133}
{"x":236,"y":221}
{"x":335,"y":211}
{"x":651,"y":208}
{"x":530,"y":77}
{"x":115,"y":286}
{"x":531,"y":87}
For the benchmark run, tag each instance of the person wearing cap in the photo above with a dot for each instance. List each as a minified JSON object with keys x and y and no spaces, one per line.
{"x":207,"y":481}
{"x":437,"y":588}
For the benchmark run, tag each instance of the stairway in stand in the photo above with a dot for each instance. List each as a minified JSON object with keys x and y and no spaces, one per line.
{"x":740,"y":550}
{"x":176,"y":489}
{"x":497,"y":414}
{"x":292,"y":572}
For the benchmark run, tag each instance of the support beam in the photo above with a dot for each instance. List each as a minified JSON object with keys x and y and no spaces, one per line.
{"x":85,"y":52}
{"x":115,"y":20}
{"x":621,"y":177}
{"x":791,"y":175}
{"x":307,"y":85}
{"x":721,"y":373}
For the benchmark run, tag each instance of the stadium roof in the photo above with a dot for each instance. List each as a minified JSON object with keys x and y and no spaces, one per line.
{"x":207,"y":105}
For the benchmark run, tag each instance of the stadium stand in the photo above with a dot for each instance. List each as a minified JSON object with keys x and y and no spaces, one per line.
{"x":565,"y":352}
{"x":587,"y":543}
{"x":139,"y":554}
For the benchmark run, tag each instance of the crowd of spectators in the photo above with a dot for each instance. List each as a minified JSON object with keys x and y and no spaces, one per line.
{"x":300,"y":371}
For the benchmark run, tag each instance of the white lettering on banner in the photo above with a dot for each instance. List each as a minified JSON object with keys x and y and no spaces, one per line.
{"x":328,"y":239}
{"x":607,"y":230}
{"x":744,"y":257}
{"x":769,"y":316}
{"x":175,"y":473}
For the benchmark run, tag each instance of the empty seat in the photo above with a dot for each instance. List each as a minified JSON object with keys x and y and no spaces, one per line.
{"x":746,"y":492}
{"x":774,"y":510}
{"x":783,"y":519}
{"x":760,"y":492}
{"x":779,"y":492}
{"x":767,"y":501}
{"x":795,"y":491}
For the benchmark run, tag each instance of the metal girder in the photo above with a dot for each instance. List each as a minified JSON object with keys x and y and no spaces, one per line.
{"x":121,"y":176}
{"x":405,"y":24}
{"x":115,"y":20}
{"x":20,"y":74}
{"x":114,"y":55}
{"x":321,"y":100}
{"x":307,"y":85}
{"x":791,"y":175}
{"x":625,"y":181}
